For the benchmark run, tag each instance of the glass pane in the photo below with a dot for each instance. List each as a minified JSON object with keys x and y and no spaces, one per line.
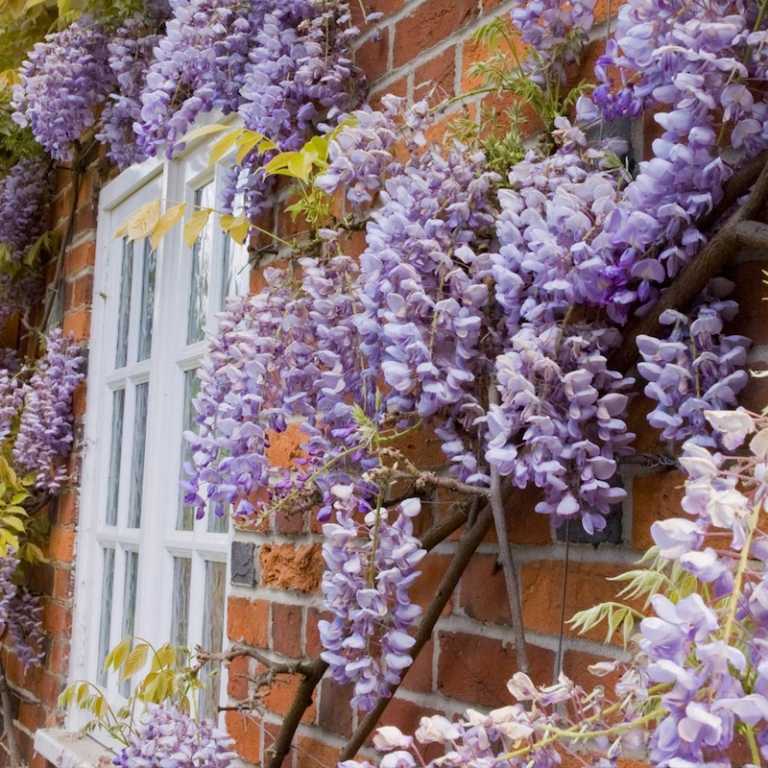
{"x":235,"y":273}
{"x":218,"y":523}
{"x":137,"y":459}
{"x":124,"y":310}
{"x":115,"y":455}
{"x":105,"y":625}
{"x":129,"y":604}
{"x":185,"y":520}
{"x":213,"y":633}
{"x":201,"y":251}
{"x":182,"y":575}
{"x":147,"y":302}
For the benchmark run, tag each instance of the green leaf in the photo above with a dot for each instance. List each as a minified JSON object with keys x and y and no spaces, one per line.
{"x":195,"y":225}
{"x":165,"y":223}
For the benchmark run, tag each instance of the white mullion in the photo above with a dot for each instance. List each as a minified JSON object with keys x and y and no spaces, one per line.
{"x":196,"y":600}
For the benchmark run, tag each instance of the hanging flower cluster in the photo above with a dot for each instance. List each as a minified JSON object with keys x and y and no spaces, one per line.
{"x":21,"y":616}
{"x":366,"y":589}
{"x":698,"y":679}
{"x":695,"y":368}
{"x":46,"y":429}
{"x":168,"y":737}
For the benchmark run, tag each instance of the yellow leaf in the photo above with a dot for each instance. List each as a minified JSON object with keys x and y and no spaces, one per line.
{"x":293,"y":164}
{"x":236,"y":226}
{"x":99,"y":707}
{"x":15,"y":523}
{"x":166,"y":656}
{"x":82,"y":692}
{"x":135,"y":661}
{"x":246,"y":142}
{"x":316,"y":149}
{"x":33,"y":553}
{"x":195,"y":225}
{"x":165,"y":223}
{"x":117,"y":656}
{"x":223,"y":145}
{"x":202,"y":131}
{"x":141,"y":223}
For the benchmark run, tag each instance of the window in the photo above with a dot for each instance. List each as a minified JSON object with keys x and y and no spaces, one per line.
{"x":146,"y":566}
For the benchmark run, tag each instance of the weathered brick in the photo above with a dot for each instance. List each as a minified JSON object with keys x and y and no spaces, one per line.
{"x":436,"y":77}
{"x":286,"y":629}
{"x":246,"y":732}
{"x":432,"y":568}
{"x":576,"y":665}
{"x":428,"y":24}
{"x":282,"y":694}
{"x":372,"y":55}
{"x":312,"y":645}
{"x":237,"y":678}
{"x":542,"y":583}
{"x":312,"y":752}
{"x":419,"y":674}
{"x":284,"y":566}
{"x":482,"y":592}
{"x":475,"y":668}
{"x":654,"y":497}
{"x":57,"y":618}
{"x":248,"y":621}
{"x":61,"y":544}
{"x":80,"y":257}
{"x":78,"y":323}
{"x":334,"y":712}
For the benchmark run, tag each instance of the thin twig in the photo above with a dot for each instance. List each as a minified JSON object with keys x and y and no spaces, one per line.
{"x":301,"y":667}
{"x":511,"y":579}
{"x":14,"y":757}
{"x":466,"y":549}
{"x":431,"y":479}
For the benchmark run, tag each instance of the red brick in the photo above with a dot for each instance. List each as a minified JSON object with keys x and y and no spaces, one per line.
{"x":81,"y":292}
{"x":237,"y":678}
{"x":80,"y":257}
{"x":61,"y":544}
{"x":387,"y":7}
{"x":406,"y":715}
{"x":752,"y":320}
{"x":284,"y":566}
{"x":334,"y":712}
{"x":286,"y":629}
{"x":435,"y":79}
{"x":30,"y":715}
{"x":474,"y":52}
{"x":576,"y":665}
{"x":476,"y":669}
{"x":248,"y":621}
{"x":432,"y":568}
{"x":311,"y":753}
{"x":78,"y":323}
{"x":282,"y":693}
{"x":79,"y":400}
{"x":56,"y":618}
{"x":62,"y":584}
{"x":654,"y":497}
{"x":372,"y":55}
{"x":398,"y":88}
{"x":483,"y":594}
{"x":587,"y":586}
{"x":419,"y":674}
{"x":312,"y":646}
{"x":58,"y":656}
{"x":430,"y":23}
{"x":246,"y":732}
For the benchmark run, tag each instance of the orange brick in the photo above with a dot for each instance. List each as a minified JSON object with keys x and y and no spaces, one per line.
{"x":80,"y":257}
{"x":311,"y":753}
{"x":248,"y":621}
{"x":284,"y":566}
{"x":654,"y":497}
{"x":474,"y":52}
{"x":398,"y":88}
{"x":282,"y":694}
{"x":372,"y":55}
{"x":432,"y":568}
{"x":246,"y":732}
{"x":286,"y":629}
{"x":428,"y":24}
{"x":79,"y":401}
{"x":56,"y":618}
{"x":62,"y":584}
{"x":78,"y":323}
{"x":237,"y":678}
{"x":61,"y":544}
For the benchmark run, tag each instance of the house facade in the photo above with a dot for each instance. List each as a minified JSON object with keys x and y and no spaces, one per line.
{"x":128,"y":557}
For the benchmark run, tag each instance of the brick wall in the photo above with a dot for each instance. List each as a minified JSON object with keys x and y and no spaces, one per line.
{"x":419,"y":47}
{"x":35,"y":692}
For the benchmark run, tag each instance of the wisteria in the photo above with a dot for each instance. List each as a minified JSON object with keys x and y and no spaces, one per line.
{"x":64,"y":80}
{"x":46,"y":429}
{"x":168,"y":737}
{"x":696,"y":684}
{"x":24,"y":193}
{"x":21,"y":616}
{"x":365,"y":586}
{"x":696,"y":368}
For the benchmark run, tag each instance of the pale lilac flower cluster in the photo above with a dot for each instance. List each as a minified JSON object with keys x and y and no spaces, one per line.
{"x":21,"y":616}
{"x":696,"y":368}
{"x":559,"y":424}
{"x":130,"y":53}
{"x":12,"y":392}
{"x":64,"y":80}
{"x":167,"y":737}
{"x":369,"y":569}
{"x":694,"y":65}
{"x":298,"y":80}
{"x":287,"y":351}
{"x":697,"y":680}
{"x":46,"y":429}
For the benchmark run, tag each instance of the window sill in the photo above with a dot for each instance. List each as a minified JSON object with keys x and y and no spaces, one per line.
{"x":65,"y":749}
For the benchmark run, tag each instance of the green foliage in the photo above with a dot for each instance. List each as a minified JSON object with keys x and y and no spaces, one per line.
{"x":16,"y":142}
{"x":168,"y":679}
{"x":22,"y":528}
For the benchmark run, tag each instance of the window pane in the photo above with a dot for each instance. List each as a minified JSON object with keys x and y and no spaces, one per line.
{"x":218,"y":523}
{"x":137,"y":459}
{"x":129,"y":604}
{"x":213,"y":633}
{"x":124,"y":309}
{"x":201,"y":251}
{"x":105,"y":626}
{"x":115,"y":455}
{"x":147,"y":302}
{"x":185,"y":520}
{"x":235,"y":273}
{"x":182,"y":575}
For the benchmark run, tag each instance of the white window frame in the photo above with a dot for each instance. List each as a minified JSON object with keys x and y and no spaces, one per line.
{"x":157,"y":540}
